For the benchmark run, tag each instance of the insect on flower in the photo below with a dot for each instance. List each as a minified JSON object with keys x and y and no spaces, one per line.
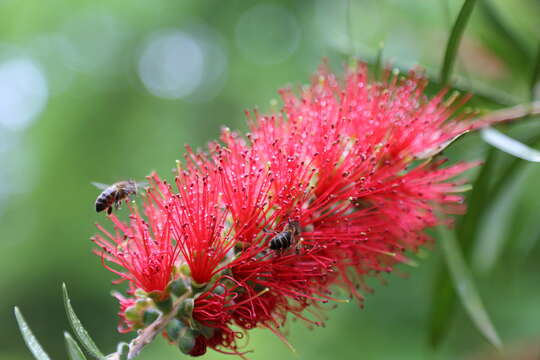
{"x":114,"y":194}
{"x":286,"y":238}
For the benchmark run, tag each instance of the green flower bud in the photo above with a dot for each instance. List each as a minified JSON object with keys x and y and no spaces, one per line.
{"x":220,"y":290}
{"x":142,"y":304}
{"x":132,"y":313}
{"x":186,"y":308}
{"x":186,"y":340}
{"x":163,"y":301}
{"x":178,"y":287}
{"x":149,"y":316}
{"x":206,"y":331}
{"x":173,"y":329}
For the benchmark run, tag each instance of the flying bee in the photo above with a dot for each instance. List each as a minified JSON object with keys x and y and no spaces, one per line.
{"x":283,"y":240}
{"x":114,"y":194}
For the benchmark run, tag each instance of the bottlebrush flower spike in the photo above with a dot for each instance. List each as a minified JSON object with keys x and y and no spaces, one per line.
{"x":343,"y":181}
{"x":141,"y":247}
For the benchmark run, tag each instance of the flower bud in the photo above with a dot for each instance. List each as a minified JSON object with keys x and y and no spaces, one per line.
{"x":186,"y":308}
{"x":149,"y":316}
{"x":162,"y":300}
{"x":133,"y":314}
{"x":219,"y":290}
{"x":178,"y":287}
{"x":186,"y":340}
{"x":173,"y":329}
{"x":206,"y":331}
{"x":142,"y":304}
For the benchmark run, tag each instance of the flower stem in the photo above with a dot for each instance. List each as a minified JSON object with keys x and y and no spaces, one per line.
{"x":150,"y":332}
{"x":511,"y":113}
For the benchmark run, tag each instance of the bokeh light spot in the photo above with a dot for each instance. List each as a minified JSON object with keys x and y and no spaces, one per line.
{"x":97,"y":38}
{"x":267,"y":34}
{"x":171,"y":64}
{"x":54,"y":52}
{"x":23,"y":92}
{"x":215,"y":62}
{"x":346,"y":26}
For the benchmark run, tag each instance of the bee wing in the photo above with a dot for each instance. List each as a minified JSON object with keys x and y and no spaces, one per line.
{"x":142,"y":185}
{"x":100,"y":185}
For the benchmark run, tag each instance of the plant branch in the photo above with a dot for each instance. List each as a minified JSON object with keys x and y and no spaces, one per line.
{"x":149,"y":333}
{"x":511,"y":113}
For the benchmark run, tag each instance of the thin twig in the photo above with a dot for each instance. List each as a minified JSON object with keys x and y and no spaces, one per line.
{"x":511,"y":113}
{"x":149,"y":333}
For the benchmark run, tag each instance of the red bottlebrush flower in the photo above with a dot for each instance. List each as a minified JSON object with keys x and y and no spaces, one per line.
{"x":143,"y":248}
{"x":198,"y":223}
{"x":345,"y":179}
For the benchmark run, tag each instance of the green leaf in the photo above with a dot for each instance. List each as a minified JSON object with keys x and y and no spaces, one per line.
{"x":535,"y":77}
{"x":79,"y":330}
{"x":452,"y":45}
{"x":443,"y":306}
{"x":509,"y":145}
{"x":511,"y":171}
{"x":465,"y":287}
{"x":29,"y":338}
{"x":494,"y":197}
{"x":444,"y":299}
{"x":496,"y":227}
{"x":502,"y":32}
{"x":73,"y":349}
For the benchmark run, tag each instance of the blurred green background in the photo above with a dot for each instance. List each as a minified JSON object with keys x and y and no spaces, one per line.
{"x":109,"y":90}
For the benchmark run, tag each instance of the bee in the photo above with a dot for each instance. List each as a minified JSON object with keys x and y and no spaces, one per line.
{"x":114,"y":194}
{"x":283,"y":240}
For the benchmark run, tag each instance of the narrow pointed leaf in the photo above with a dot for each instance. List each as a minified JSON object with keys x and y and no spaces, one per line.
{"x":493,"y":196}
{"x":465,"y":287}
{"x":29,"y":338}
{"x":509,"y":145}
{"x":496,"y":227}
{"x":73,"y":349}
{"x":443,"y":305}
{"x":444,"y":299}
{"x":503,"y":32}
{"x":454,"y":39}
{"x":535,"y":77}
{"x":78,"y":329}
{"x":514,"y":168}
